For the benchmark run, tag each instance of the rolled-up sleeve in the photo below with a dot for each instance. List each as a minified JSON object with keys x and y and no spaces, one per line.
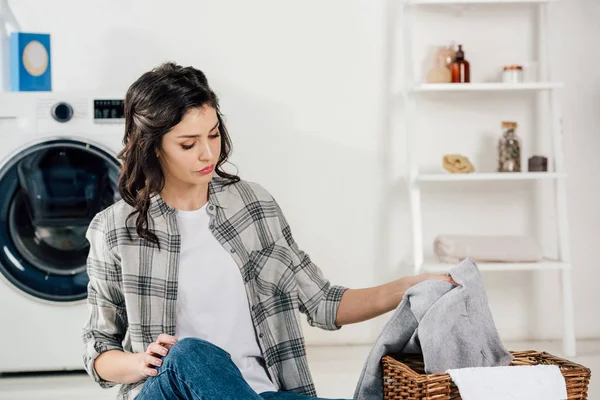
{"x":318,"y":298}
{"x":107,"y":321}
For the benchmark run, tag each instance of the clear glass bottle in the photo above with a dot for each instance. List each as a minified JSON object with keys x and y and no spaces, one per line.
{"x":509,"y":149}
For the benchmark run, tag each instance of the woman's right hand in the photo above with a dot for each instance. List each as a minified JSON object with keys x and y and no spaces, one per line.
{"x":152,"y":358}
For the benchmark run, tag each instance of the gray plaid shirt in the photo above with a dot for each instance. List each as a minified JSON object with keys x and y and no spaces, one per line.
{"x":132,"y":291}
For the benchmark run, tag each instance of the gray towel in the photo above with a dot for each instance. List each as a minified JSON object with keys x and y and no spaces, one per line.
{"x":451,"y":326}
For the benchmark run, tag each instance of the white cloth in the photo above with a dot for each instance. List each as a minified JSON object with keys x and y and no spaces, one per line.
{"x":211,"y":299}
{"x":539,"y":382}
{"x":455,"y":248}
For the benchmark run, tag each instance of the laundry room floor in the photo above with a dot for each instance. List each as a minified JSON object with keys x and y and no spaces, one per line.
{"x":335,"y":370}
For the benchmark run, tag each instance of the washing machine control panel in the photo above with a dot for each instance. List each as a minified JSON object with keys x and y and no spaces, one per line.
{"x":109,"y":110}
{"x":62,"y":112}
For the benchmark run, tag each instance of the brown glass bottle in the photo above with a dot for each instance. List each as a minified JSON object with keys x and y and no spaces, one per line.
{"x":460,"y":68}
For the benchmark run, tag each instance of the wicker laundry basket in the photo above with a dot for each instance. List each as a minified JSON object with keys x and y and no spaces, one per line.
{"x":404,"y":377}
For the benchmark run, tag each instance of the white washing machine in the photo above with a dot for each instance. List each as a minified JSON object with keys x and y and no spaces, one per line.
{"x":58,"y":168}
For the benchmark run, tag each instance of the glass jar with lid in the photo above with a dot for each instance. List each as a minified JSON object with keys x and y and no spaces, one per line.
{"x":513,"y":74}
{"x":509,"y":148}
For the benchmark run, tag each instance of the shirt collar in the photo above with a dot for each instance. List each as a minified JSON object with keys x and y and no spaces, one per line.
{"x":218,"y":195}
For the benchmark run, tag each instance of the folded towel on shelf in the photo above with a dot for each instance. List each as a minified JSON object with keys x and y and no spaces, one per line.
{"x":455,"y":248}
{"x":539,"y":382}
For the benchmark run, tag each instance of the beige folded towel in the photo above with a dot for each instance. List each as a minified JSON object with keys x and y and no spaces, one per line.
{"x":455,"y":248}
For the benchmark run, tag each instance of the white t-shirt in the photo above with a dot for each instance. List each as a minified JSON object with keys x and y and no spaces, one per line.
{"x":211,"y":299}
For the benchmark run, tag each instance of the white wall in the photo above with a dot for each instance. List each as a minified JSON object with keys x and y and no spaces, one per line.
{"x":302,"y":85}
{"x":581,"y":103}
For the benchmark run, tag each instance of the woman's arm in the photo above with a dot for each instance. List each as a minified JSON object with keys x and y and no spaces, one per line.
{"x":106,"y":325}
{"x":330,"y":306}
{"x":104,"y":331}
{"x":359,"y":305}
{"x":119,"y":367}
{"x":122,"y":367}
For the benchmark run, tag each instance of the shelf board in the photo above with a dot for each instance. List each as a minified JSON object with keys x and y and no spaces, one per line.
{"x":486,"y":87}
{"x":452,"y":2}
{"x":496,"y":176}
{"x":483,"y":267}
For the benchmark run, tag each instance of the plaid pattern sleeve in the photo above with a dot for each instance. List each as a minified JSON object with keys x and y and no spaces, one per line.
{"x":107,"y":323}
{"x":319,"y":300}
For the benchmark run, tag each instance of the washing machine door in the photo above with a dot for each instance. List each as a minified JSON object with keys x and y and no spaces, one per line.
{"x":49,"y":194}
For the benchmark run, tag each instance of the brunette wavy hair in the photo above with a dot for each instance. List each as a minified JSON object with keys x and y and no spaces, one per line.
{"x":154,"y":104}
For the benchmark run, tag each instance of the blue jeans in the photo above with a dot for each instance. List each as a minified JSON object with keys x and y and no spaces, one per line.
{"x":211,"y":376}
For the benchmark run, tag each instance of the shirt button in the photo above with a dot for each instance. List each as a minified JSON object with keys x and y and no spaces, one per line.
{"x":261,"y":335}
{"x":253,"y":308}
{"x":232,"y":250}
{"x":270,"y":363}
{"x":212,"y":227}
{"x":211,"y":208}
{"x":247,"y":278}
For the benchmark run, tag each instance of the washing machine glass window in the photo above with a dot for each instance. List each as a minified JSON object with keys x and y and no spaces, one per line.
{"x":51,"y":192}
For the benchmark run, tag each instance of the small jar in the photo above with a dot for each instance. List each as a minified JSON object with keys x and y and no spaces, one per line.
{"x":538,"y":164}
{"x":513,"y":74}
{"x":509,"y":149}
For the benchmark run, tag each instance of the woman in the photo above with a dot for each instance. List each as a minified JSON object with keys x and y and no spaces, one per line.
{"x":195,"y":278}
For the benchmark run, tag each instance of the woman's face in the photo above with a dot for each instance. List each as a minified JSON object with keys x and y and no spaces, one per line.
{"x":190,"y":150}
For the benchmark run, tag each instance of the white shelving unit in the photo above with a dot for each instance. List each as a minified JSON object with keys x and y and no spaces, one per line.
{"x":524,"y":176}
{"x":459,"y":2}
{"x":545,"y":265}
{"x":546,"y":89}
{"x":486,"y":87}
